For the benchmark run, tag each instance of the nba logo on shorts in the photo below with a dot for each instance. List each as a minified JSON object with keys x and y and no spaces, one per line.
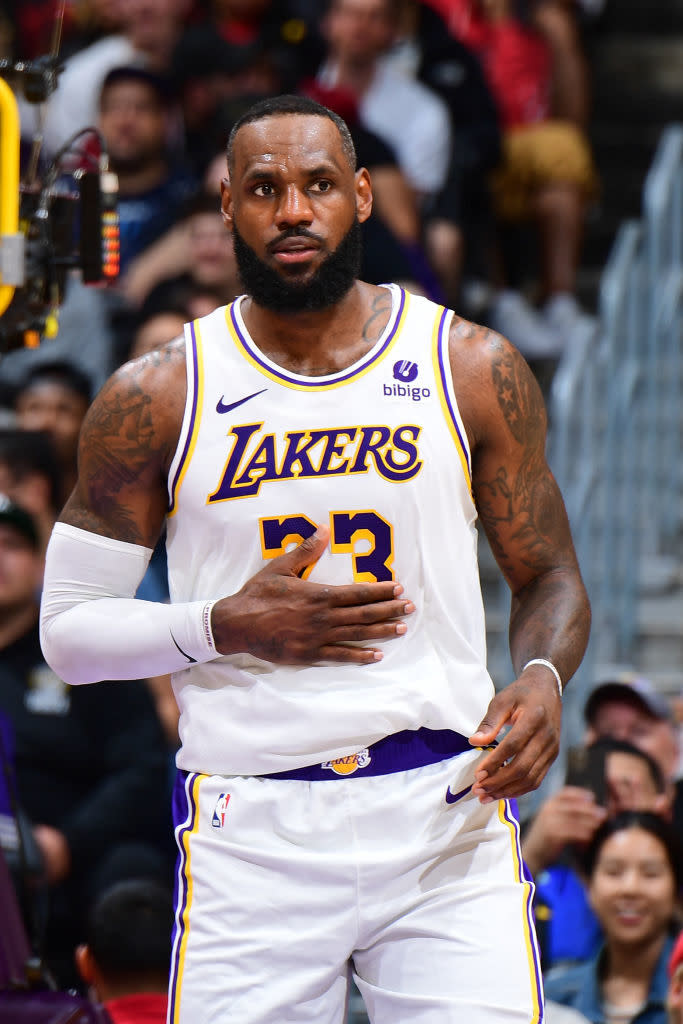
{"x":219,"y":810}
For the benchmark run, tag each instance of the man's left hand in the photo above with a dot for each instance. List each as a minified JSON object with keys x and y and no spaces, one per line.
{"x":532,"y":708}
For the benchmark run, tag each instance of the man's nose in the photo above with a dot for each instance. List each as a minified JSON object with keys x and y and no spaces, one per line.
{"x":294,"y":208}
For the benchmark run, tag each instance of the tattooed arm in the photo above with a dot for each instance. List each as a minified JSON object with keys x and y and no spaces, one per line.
{"x":522,"y":512}
{"x":127,"y":443}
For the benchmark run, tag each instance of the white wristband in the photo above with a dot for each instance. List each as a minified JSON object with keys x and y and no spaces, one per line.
{"x":548,"y":664}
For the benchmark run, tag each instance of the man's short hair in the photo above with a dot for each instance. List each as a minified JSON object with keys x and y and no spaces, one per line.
{"x":157,"y":84}
{"x":129,"y":930}
{"x":59,"y":371}
{"x":275,"y":106}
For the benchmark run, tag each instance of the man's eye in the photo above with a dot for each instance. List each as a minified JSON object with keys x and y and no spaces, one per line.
{"x":321,"y":186}
{"x":264,"y":190}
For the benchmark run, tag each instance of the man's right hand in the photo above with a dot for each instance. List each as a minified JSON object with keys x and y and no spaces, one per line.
{"x":279,"y":617}
{"x":569,"y":816}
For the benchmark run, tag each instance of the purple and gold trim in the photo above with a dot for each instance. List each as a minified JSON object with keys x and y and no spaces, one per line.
{"x":186,"y":816}
{"x":239,"y":335}
{"x":442,"y":375}
{"x":507,"y":814}
{"x":195,"y":395}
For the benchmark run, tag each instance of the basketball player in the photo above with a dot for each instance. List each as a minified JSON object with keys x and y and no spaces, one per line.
{"x":320,"y":449}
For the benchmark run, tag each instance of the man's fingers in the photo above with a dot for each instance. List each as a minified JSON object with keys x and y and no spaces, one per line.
{"x":360,"y":634}
{"x":381,"y":611}
{"x":504,"y":774}
{"x":498,"y":714}
{"x":352,"y":594}
{"x":521,"y":775}
{"x":309,"y":551}
{"x":350,"y":655}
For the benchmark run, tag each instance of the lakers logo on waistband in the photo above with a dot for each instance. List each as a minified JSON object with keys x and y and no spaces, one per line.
{"x":349,"y":764}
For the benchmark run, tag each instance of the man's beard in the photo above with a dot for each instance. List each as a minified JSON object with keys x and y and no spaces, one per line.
{"x":330,"y":283}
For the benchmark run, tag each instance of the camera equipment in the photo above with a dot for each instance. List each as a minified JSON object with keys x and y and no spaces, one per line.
{"x":53,"y":221}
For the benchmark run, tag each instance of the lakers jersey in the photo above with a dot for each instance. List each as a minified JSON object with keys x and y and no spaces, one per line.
{"x":378,"y":452}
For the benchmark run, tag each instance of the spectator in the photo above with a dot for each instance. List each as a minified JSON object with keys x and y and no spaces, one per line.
{"x":546,"y":175}
{"x":674,"y":1000}
{"x":624,"y":778}
{"x":411,"y":119}
{"x":149,"y":32}
{"x":55,"y":397}
{"x":30,"y":476}
{"x":195,"y":256}
{"x":628,"y":707}
{"x":134,"y":122}
{"x":557,"y":21}
{"x":458,"y":221}
{"x":126,"y":957}
{"x":635,"y":872}
{"x":91,"y":764}
{"x":157,"y":330}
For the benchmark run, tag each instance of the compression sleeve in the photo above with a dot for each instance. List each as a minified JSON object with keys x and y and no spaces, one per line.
{"x":93,"y":628}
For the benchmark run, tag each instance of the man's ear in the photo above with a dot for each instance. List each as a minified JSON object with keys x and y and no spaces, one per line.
{"x":85,"y":964}
{"x":226,"y":203}
{"x":363,"y":187}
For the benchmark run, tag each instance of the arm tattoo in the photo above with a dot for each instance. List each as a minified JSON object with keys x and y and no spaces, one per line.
{"x":524,"y":502}
{"x":120,"y":447}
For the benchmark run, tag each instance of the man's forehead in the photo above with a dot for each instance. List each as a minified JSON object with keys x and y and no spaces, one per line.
{"x":623,"y":709}
{"x":305,"y":138}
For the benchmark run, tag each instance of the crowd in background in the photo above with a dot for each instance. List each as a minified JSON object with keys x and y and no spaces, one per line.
{"x":471,"y":117}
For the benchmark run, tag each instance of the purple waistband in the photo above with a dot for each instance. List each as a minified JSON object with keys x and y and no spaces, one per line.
{"x":412,"y":748}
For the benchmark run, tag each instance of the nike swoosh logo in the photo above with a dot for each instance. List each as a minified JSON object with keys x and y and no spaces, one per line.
{"x":221,"y":407}
{"x":452,"y":798}
{"x":192,"y":661}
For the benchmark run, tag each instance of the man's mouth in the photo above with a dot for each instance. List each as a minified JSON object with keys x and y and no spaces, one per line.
{"x":294,"y":249}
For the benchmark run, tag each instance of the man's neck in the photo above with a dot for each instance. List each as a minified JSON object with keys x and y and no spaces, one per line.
{"x":354,"y":75}
{"x":14,"y":623}
{"x":135,"y":183}
{"x":315,"y":344}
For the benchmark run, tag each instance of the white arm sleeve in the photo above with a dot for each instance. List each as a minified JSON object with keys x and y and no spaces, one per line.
{"x":93,"y":628}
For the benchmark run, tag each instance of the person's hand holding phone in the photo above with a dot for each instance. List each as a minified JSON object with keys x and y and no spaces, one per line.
{"x":572,"y":815}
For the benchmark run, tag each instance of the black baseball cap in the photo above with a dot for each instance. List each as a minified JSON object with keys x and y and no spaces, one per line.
{"x":17,"y":517}
{"x":632,"y":689}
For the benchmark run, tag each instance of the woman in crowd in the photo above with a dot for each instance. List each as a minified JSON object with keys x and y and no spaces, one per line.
{"x":635,"y":871}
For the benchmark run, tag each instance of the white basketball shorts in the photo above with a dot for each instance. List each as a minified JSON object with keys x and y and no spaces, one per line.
{"x":286,"y":887}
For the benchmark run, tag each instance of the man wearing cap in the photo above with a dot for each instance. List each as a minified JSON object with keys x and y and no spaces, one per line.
{"x":629,"y":708}
{"x":89,"y":766}
{"x":674,"y":999}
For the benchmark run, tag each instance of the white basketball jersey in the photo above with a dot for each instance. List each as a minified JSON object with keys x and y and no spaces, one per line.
{"x":378,"y":451}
